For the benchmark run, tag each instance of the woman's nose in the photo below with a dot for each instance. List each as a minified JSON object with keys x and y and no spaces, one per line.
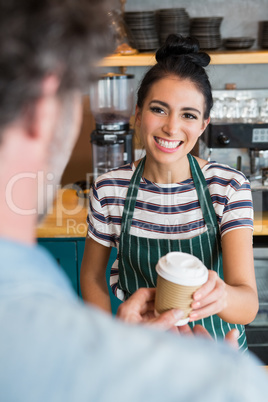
{"x":171,"y":125}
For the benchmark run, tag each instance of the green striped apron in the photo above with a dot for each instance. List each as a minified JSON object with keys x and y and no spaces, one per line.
{"x":138,"y":256}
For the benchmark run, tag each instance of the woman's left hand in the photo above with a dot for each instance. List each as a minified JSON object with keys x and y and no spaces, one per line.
{"x":210,"y":299}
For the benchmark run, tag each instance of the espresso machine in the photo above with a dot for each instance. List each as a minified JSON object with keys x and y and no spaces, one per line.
{"x":111,"y":102}
{"x":238,"y":132}
{"x":238,"y":136}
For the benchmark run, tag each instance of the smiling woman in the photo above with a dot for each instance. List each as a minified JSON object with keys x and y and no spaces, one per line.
{"x":172,"y":201}
{"x":170,"y":121}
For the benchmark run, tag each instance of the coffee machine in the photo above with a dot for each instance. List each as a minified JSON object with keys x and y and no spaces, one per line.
{"x":238,"y":132}
{"x":238,"y":136}
{"x":112,"y":102}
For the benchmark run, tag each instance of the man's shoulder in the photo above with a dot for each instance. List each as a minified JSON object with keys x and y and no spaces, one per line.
{"x":68,"y":348}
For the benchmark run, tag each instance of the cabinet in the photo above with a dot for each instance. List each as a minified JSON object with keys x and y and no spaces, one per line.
{"x":65,"y":253}
{"x":63,"y":234}
{"x":68,"y":252}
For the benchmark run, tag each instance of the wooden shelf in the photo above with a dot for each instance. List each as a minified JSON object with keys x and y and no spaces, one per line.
{"x":217,"y":57}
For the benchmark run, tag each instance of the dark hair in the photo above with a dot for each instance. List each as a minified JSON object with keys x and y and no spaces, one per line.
{"x":179,"y":56}
{"x":43,"y":37}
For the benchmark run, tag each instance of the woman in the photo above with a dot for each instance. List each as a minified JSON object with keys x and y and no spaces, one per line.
{"x":171,"y":201}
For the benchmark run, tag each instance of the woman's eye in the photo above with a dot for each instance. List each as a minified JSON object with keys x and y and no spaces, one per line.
{"x":190,"y":116}
{"x":157,"y":109}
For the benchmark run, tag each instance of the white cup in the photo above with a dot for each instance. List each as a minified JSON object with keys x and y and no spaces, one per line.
{"x":179,"y":276}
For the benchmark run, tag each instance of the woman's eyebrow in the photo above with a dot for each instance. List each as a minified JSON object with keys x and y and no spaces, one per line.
{"x":186,"y":109}
{"x":160,"y":103}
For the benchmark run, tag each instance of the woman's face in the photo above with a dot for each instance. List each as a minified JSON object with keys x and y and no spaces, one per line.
{"x":171,"y":119}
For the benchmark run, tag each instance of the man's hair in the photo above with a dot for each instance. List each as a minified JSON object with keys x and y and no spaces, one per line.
{"x":43,"y":37}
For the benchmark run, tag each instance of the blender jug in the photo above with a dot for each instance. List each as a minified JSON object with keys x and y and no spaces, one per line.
{"x":107,"y":154}
{"x":112,"y":101}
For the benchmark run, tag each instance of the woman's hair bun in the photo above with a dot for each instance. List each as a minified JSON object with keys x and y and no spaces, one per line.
{"x":177,"y":45}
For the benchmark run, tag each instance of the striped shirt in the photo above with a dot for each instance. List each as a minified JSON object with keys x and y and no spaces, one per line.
{"x":167,"y":210}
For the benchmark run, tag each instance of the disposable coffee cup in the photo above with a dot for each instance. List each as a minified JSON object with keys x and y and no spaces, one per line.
{"x":179,"y":276}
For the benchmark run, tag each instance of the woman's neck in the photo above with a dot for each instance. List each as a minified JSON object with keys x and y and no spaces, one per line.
{"x":167,"y":174}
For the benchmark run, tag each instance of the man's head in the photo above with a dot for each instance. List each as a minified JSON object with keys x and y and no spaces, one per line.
{"x":48,"y":51}
{"x":39,"y":38}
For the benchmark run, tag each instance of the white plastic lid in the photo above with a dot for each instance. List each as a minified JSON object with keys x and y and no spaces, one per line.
{"x":182,"y":269}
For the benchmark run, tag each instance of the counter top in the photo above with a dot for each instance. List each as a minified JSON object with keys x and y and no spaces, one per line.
{"x":68,"y":216}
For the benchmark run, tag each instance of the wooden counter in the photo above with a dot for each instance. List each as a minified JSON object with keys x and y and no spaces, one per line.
{"x":261,"y":224}
{"x":68,"y":218}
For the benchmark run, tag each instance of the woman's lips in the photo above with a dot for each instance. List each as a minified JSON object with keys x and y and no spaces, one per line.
{"x":167,"y":145}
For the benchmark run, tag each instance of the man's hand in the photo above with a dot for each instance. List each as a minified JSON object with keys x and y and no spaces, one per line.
{"x":139,"y":309}
{"x":231,"y":337}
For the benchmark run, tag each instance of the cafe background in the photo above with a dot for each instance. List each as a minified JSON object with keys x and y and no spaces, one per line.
{"x":63,"y":232}
{"x":240,"y":18}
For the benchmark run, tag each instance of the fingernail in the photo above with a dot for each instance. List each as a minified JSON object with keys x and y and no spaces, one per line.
{"x":178,"y":314}
{"x":237,"y":333}
{"x":195,"y":305}
{"x":193,"y":315}
{"x":197,"y":296}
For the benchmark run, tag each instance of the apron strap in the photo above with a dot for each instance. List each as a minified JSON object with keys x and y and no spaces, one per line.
{"x":130,"y":201}
{"x":203,"y":193}
{"x":202,"y":190}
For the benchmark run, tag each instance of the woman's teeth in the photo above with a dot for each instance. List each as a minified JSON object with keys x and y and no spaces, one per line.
{"x":167,"y":144}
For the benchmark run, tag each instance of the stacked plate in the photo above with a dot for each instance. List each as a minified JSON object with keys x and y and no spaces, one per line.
{"x":263,"y":34}
{"x":172,"y":21}
{"x":238,"y":43}
{"x":207,"y":31}
{"x":143,"y":28}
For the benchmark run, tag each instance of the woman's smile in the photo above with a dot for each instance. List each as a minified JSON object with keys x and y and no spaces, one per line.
{"x":167,"y":145}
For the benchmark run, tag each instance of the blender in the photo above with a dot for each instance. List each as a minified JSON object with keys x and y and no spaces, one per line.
{"x":112,"y":101}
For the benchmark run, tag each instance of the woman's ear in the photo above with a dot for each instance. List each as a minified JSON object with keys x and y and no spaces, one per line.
{"x":137,"y":116}
{"x":205,"y":124}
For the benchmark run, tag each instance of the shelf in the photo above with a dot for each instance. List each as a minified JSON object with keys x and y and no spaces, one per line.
{"x":217,"y":57}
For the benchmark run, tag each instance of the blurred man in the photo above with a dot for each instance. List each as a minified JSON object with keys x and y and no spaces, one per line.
{"x":52,"y":346}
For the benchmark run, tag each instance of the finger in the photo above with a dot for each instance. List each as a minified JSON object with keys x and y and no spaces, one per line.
{"x":139,"y":300}
{"x":175,"y":330}
{"x":211,"y":309}
{"x":143,"y":295}
{"x":148,"y":307}
{"x":217,"y":294}
{"x":232,"y":338}
{"x":201,"y":331}
{"x":167,"y":319}
{"x":137,"y":305}
{"x":185,"y":330}
{"x":207,"y":287}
